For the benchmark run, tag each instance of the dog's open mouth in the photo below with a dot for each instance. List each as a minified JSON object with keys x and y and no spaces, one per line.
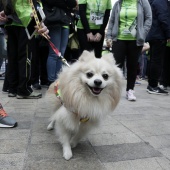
{"x":95,"y":90}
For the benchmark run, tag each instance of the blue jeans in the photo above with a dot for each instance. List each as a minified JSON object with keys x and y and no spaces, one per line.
{"x":59,"y":36}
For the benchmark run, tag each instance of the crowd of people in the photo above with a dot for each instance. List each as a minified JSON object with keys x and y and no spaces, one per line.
{"x":138,"y":34}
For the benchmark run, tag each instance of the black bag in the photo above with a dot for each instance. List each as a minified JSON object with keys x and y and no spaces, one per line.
{"x":55,"y":16}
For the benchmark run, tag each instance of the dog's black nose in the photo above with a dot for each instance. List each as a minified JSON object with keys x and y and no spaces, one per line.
{"x":97,"y":82}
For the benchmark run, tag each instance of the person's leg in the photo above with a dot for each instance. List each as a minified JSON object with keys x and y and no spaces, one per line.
{"x":35,"y":65}
{"x":24,"y":62}
{"x":165,"y":67}
{"x":157,"y":49}
{"x":84,"y":44}
{"x":132,"y":63}
{"x":98,"y":46}
{"x":119,"y":50}
{"x":12,"y":70}
{"x":54,"y":64}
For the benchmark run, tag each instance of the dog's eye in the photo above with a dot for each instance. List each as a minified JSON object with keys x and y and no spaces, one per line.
{"x":105,"y":76}
{"x":89,"y":75}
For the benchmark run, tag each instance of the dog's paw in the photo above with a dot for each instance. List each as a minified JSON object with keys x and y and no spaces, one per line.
{"x":50,"y":126}
{"x":67,"y":154}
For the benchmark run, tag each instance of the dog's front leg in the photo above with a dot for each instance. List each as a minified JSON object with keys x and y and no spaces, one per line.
{"x":67,"y":152}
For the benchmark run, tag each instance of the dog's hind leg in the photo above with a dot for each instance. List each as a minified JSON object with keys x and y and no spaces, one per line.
{"x":51,"y":125}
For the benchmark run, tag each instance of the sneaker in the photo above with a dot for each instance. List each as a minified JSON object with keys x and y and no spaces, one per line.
{"x":156,"y":90}
{"x":36,"y":86}
{"x":130,"y":95}
{"x":12,"y":94}
{"x":5,"y":120}
{"x":33,"y":95}
{"x":137,"y":83}
{"x":163,"y":87}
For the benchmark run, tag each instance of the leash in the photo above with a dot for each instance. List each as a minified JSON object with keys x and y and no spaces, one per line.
{"x":45,"y":36}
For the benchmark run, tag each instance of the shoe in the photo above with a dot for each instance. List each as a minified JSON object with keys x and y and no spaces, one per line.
{"x":5,"y":120}
{"x":33,"y":95}
{"x":36,"y":86}
{"x":137,"y":83}
{"x":163,"y":87}
{"x":156,"y":90}
{"x":130,"y":95}
{"x":12,"y":94}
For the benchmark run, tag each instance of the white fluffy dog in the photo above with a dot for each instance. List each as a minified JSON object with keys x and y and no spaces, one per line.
{"x":90,"y":89}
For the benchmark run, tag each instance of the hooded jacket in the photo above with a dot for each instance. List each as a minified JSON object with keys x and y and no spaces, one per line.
{"x":144,"y":21}
{"x":161,"y":20}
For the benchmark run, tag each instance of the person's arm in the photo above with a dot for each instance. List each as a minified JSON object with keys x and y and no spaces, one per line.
{"x":82,"y":13}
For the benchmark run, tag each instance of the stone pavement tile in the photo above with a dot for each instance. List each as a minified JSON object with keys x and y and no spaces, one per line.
{"x":151,"y":130}
{"x":122,"y":152}
{"x":13,"y":161}
{"x":54,"y":151}
{"x":165,"y":152}
{"x":139,"y":164}
{"x":109,"y":120}
{"x":40,"y":138}
{"x":85,"y":163}
{"x":113,"y":139}
{"x":141,"y":123}
{"x":158,"y":142}
{"x":18,"y":134}
{"x":163,"y":162}
{"x":13,"y":146}
{"x":112,"y":129}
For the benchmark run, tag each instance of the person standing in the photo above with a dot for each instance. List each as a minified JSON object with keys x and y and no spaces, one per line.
{"x":157,"y":38}
{"x":94,"y":16}
{"x":129,"y":24}
{"x":17,"y":15}
{"x":58,"y":19}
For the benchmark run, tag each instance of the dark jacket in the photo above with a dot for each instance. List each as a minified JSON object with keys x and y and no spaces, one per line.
{"x":160,"y":29}
{"x":58,"y":12}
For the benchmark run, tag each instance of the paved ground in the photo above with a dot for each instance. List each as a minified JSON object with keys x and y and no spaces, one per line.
{"x":135,"y":137}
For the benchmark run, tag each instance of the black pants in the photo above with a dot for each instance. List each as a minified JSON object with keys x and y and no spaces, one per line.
{"x":165,"y":79}
{"x":90,"y":46}
{"x":19,"y":60}
{"x":157,"y":51}
{"x":39,"y":61}
{"x":127,"y":49}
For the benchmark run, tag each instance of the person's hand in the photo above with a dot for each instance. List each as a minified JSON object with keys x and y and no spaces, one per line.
{"x":43,"y":30}
{"x":109,"y":43}
{"x":97,"y":37}
{"x":90,"y":37}
{"x":3,"y":17}
{"x":168,"y":40}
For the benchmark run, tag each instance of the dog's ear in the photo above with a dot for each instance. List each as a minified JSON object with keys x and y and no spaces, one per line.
{"x":109,"y":58}
{"x":86,"y":56}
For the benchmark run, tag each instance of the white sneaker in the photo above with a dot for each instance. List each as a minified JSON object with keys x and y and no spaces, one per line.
{"x":130,"y":95}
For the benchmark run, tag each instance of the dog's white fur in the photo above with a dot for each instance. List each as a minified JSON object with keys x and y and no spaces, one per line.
{"x":82,"y":100}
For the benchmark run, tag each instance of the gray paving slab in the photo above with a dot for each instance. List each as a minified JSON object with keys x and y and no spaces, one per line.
{"x":134,"y":137}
